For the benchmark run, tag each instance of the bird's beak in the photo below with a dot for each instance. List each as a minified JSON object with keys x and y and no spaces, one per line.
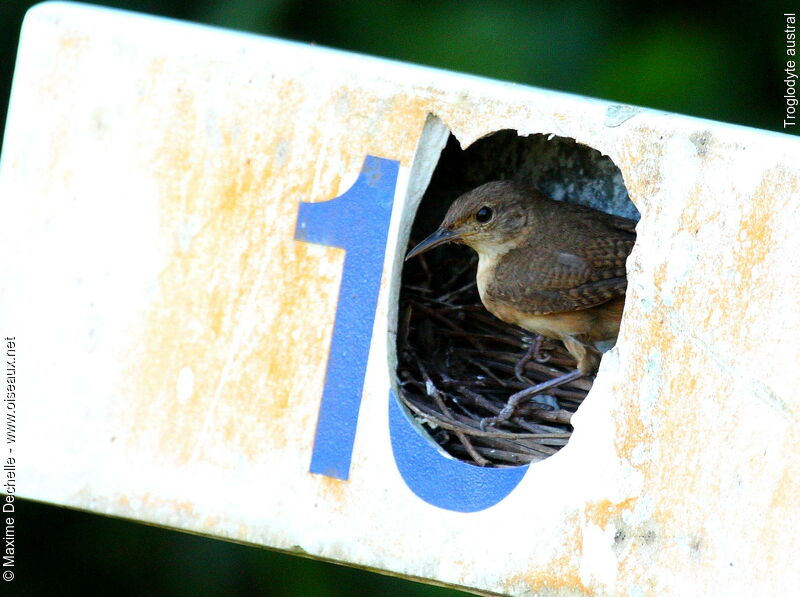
{"x":440,"y":237}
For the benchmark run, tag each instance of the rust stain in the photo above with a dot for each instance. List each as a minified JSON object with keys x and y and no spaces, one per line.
{"x":334,"y":492}
{"x":743,"y":258}
{"x":376,"y":126}
{"x":755,"y":240}
{"x":640,"y":161}
{"x":238,"y":302}
{"x":691,"y":428}
{"x":71,"y":43}
{"x":698,"y":211}
{"x":783,"y":501}
{"x":782,"y":507}
{"x":212,"y":524}
{"x":241,"y":310}
{"x":602,"y":512}
{"x":561,"y":576}
{"x":149,"y":502}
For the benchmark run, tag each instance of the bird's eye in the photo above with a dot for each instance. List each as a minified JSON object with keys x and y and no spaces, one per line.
{"x":484,"y":214}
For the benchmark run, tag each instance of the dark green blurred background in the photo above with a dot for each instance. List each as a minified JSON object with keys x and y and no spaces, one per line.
{"x":719,"y":60}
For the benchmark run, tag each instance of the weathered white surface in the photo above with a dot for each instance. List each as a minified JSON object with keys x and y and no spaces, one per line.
{"x":171,"y":334}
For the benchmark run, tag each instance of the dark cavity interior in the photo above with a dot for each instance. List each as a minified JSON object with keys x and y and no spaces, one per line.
{"x":456,"y":360}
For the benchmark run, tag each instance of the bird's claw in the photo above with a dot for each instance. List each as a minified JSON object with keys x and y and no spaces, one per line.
{"x":506,"y":413}
{"x":487,"y":422}
{"x":540,"y":357}
{"x":503,"y":415}
{"x":534,"y":353}
{"x":515,"y":399}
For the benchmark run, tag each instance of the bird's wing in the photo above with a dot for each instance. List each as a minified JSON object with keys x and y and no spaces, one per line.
{"x":624,"y":224}
{"x":552,"y":281}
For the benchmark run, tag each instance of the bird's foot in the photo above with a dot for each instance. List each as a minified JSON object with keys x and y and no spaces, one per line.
{"x":515,"y":399}
{"x":534,"y":353}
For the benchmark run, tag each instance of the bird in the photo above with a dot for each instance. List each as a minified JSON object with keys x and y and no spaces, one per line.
{"x":553,"y":268}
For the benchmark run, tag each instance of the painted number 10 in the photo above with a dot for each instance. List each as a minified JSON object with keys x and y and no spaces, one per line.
{"x":358,"y":222}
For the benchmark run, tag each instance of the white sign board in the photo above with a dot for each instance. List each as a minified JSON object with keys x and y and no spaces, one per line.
{"x":203,"y":240}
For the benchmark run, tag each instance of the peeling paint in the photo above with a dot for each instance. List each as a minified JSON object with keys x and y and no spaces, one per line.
{"x":620,"y":114}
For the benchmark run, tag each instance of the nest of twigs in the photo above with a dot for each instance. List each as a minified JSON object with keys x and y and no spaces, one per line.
{"x":456,"y":367}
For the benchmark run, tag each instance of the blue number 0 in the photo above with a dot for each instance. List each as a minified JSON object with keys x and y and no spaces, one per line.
{"x":358,"y":222}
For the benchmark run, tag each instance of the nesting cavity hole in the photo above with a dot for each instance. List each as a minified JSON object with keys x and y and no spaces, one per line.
{"x":456,"y":360}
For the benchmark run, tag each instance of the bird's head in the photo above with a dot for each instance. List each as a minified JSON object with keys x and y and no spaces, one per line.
{"x":488,"y":218}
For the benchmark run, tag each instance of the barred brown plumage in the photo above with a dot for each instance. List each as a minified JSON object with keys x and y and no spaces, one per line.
{"x":551,"y":267}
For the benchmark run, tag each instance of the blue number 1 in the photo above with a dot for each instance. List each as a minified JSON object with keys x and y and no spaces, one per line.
{"x":357,"y":222}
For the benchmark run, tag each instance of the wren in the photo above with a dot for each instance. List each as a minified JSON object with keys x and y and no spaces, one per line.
{"x":553,"y":268}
